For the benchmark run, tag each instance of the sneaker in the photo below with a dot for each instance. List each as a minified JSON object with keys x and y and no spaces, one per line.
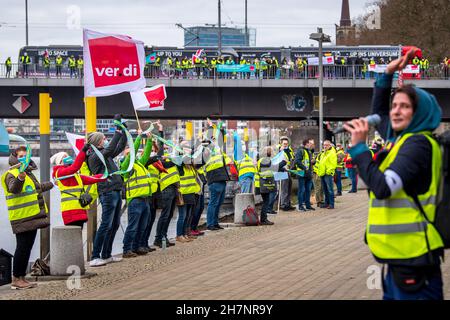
{"x":113,"y":259}
{"x":212,"y":228}
{"x":301,"y":208}
{"x":291,"y":208}
{"x":330,"y":207}
{"x":324,"y":206}
{"x":266,"y":223}
{"x":158,"y":243}
{"x":97,"y":263}
{"x":181,"y":239}
{"x":197,"y":233}
{"x":310,"y":209}
{"x":129,"y":254}
{"x":142,"y":251}
{"x":219,"y":227}
{"x":170,"y":244}
{"x":351,"y":191}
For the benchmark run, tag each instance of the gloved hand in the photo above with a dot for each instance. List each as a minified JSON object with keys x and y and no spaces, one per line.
{"x":118,"y":117}
{"x":86,"y":147}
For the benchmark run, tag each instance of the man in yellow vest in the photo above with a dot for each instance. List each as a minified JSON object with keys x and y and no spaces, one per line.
{"x":246,"y":170}
{"x":318,"y":192}
{"x":25,"y":61}
{"x":340,"y":154}
{"x":80,"y":66}
{"x":266,"y":185}
{"x":46,"y":64}
{"x":138,"y":192}
{"x":26,"y":209}
{"x":286,"y":185}
{"x":403,"y":185}
{"x":303,"y":162}
{"x":326,"y":169}
{"x":59,"y":63}
{"x":8,"y":64}
{"x":72,"y":66}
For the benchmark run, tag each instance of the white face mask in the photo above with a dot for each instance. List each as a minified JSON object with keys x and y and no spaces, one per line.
{"x":153,"y":154}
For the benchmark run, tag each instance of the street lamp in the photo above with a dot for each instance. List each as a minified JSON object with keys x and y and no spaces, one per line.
{"x":321,"y":38}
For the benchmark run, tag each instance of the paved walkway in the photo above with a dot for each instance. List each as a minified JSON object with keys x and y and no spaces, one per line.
{"x":318,"y":255}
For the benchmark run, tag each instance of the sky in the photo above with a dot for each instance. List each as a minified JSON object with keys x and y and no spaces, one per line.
{"x":278,"y":23}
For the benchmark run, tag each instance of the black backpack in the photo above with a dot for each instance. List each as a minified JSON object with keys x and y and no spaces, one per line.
{"x":442,"y":217}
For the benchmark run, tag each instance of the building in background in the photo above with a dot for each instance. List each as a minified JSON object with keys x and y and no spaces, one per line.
{"x":207,"y":36}
{"x":345,"y":32}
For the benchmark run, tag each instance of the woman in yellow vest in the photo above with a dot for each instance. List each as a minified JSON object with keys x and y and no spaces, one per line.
{"x":138,"y":194}
{"x":27,"y":211}
{"x":189,"y":187}
{"x":265,"y":182}
{"x":403,"y":182}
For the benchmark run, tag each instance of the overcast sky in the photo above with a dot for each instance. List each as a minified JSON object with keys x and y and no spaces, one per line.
{"x":277,"y":23}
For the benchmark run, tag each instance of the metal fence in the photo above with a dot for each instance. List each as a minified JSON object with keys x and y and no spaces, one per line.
{"x":344,"y":72}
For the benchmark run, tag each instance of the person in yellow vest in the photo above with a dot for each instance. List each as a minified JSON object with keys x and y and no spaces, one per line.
{"x":25,"y":61}
{"x":246,"y":170}
{"x":190,"y":186}
{"x":403,"y":185}
{"x":326,"y":169}
{"x":26,"y":209}
{"x":169,"y":183}
{"x":318,"y":192}
{"x":46,"y":63}
{"x":72,"y":66}
{"x":8,"y":65}
{"x":80,"y":66}
{"x":72,"y":184}
{"x":59,"y":63}
{"x":265,"y":182}
{"x":213,"y":67}
{"x":286,"y":185}
{"x":303,"y":162}
{"x":446,"y":66}
{"x":138,"y":192}
{"x":340,"y":154}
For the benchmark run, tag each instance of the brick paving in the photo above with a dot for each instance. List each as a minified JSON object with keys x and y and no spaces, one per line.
{"x":319,"y":255}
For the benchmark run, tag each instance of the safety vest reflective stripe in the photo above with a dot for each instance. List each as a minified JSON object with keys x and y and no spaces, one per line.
{"x":401,"y":203}
{"x":398,"y":228}
{"x":171,"y":177}
{"x":246,"y":166}
{"x":143,"y":185}
{"x":23,"y":205}
{"x":134,"y":189}
{"x":13,"y":196}
{"x":137,"y":179}
{"x":213,"y":163}
{"x":70,"y":198}
{"x":70,"y":195}
{"x":168,"y":176}
{"x":154,"y":175}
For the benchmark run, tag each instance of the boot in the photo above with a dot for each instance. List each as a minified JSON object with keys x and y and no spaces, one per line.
{"x":20,"y":284}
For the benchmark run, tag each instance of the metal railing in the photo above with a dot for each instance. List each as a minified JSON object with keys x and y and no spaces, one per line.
{"x":336,"y":72}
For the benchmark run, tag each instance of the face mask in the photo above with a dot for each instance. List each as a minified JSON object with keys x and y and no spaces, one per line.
{"x":67,"y":161}
{"x":22,"y":160}
{"x":106,"y":144}
{"x":153,"y":154}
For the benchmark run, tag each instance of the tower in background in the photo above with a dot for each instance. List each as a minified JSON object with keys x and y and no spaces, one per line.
{"x":345,"y":32}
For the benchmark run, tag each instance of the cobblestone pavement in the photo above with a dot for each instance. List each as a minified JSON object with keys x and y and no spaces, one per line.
{"x":314,"y":255}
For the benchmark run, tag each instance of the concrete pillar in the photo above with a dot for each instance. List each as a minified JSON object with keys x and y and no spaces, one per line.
{"x":66,"y":250}
{"x":241,"y":202}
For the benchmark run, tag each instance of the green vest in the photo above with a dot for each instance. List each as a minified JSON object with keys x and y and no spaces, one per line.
{"x":138,"y":184}
{"x":59,"y":61}
{"x":171,"y":177}
{"x":246,"y":166}
{"x":265,"y":176}
{"x":24,"y":204}
{"x":340,"y":164}
{"x":70,"y":194}
{"x":188,"y":182}
{"x":396,"y":228}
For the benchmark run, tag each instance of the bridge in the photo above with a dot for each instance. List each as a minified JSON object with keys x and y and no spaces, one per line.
{"x":254,"y":98}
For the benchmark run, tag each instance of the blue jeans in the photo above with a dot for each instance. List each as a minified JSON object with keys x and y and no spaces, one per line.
{"x":327,"y":186}
{"x":216,"y":197}
{"x":353,"y":177}
{"x":432,"y":291}
{"x":148,"y":228}
{"x":339,"y":181}
{"x":304,"y":191}
{"x":138,"y":215}
{"x":183,"y":215}
{"x":198,"y":210}
{"x":104,"y":238}
{"x":246,"y":184}
{"x":168,"y":197}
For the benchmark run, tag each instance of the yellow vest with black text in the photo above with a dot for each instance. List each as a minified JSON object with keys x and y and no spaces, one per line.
{"x":154,"y":178}
{"x":24,"y":204}
{"x":246,"y":166}
{"x":188,"y":182}
{"x":70,"y":195}
{"x":171,"y":177}
{"x":138,"y":184}
{"x":266,"y":179}
{"x":396,"y":227}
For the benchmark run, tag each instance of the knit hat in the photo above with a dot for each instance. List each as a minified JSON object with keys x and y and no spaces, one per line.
{"x":95,"y":138}
{"x":57,"y":159}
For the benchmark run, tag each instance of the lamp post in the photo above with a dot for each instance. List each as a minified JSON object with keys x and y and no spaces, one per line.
{"x":26,"y":22}
{"x":220,"y":29}
{"x":321,"y":38}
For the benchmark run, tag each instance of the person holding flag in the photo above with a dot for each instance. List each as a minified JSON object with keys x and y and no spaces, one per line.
{"x":71,"y":185}
{"x":109,"y":191}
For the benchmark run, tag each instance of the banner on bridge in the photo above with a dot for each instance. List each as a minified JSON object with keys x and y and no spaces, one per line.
{"x":236,"y":68}
{"x":314,"y":61}
{"x":113,"y":64}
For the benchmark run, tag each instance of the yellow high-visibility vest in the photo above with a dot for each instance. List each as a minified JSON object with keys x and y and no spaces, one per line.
{"x":70,"y":195}
{"x":188,"y":182}
{"x":246,"y":166}
{"x":138,"y":185}
{"x":154,"y":178}
{"x":171,"y":177}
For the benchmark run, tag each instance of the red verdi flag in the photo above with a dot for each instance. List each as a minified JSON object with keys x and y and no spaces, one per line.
{"x":113,"y":64}
{"x":149,"y":99}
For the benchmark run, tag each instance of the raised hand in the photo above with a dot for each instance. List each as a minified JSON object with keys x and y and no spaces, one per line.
{"x":400,"y":63}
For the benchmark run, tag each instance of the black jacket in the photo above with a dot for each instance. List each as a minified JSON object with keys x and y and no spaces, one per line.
{"x":115,"y":147}
{"x":298,"y":161}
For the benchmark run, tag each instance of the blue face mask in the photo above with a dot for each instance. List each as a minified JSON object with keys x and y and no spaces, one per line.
{"x":67,"y":161}
{"x":106,"y":144}
{"x":22,"y":160}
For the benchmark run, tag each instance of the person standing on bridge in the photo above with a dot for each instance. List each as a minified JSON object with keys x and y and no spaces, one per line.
{"x":109,"y":192}
{"x":72,"y":187}
{"x":72,"y":66}
{"x":59,"y":63}
{"x":8,"y":66}
{"x":25,"y":61}
{"x":27,"y":211}
{"x":403,"y":183}
{"x":80,"y":66}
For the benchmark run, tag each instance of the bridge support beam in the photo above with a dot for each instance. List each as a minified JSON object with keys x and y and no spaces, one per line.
{"x":44,"y":129}
{"x":90,"y":104}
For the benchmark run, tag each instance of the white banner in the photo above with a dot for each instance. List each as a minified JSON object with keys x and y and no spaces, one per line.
{"x":149,"y":99}
{"x":112,"y":64}
{"x":325,"y":60}
{"x":411,"y":68}
{"x":377,"y":68}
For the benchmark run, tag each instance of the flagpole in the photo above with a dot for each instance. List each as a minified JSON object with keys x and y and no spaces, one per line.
{"x":137,"y":118}
{"x":279,"y":197}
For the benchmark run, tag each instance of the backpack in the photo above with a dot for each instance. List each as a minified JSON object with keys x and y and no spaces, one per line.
{"x":442,"y":216}
{"x":250,"y":217}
